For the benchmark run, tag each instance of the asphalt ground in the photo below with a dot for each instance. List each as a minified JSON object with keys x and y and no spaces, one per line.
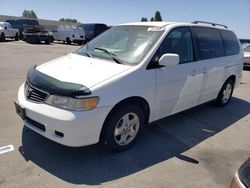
{"x":200,"y":147}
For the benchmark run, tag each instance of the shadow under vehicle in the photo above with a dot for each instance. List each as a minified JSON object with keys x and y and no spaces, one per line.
{"x":163,"y":140}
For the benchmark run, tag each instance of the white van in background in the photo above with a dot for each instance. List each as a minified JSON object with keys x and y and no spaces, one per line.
{"x":69,"y":34}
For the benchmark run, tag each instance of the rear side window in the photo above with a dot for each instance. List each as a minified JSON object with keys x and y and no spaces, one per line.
{"x":208,"y":42}
{"x":230,"y":42}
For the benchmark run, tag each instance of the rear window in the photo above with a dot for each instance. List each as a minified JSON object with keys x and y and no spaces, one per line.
{"x":230,"y":42}
{"x":208,"y":42}
{"x":89,"y":28}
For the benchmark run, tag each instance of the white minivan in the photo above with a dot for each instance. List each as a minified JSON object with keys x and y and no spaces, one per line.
{"x":129,"y":76}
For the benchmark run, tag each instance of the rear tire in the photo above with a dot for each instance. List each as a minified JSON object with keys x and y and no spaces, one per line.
{"x":225,"y":94}
{"x":16,"y":37}
{"x":2,"y":37}
{"x":122,"y":128}
{"x":68,"y":41}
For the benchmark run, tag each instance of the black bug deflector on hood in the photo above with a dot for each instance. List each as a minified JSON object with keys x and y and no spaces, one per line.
{"x":54,"y":86}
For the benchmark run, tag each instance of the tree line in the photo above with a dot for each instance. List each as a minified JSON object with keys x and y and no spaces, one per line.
{"x":32,"y":14}
{"x":156,"y":18}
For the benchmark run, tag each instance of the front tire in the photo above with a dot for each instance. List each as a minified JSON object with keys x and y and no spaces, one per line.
{"x":123,"y":128}
{"x":2,"y":37}
{"x":68,"y":41}
{"x":47,"y":41}
{"x":225,"y":94}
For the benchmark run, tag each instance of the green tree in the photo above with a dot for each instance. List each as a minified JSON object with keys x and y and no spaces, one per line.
{"x":29,"y":14}
{"x":158,"y":16}
{"x":143,"y":19}
{"x":69,"y":20}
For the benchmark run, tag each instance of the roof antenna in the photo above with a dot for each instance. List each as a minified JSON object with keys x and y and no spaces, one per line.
{"x":70,"y":14}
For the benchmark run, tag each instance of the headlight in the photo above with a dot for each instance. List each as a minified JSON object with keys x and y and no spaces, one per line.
{"x":72,"y":103}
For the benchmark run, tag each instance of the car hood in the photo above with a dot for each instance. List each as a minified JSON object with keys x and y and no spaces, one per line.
{"x":82,"y":70}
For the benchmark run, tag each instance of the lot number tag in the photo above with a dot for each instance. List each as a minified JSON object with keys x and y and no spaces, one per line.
{"x":6,"y":149}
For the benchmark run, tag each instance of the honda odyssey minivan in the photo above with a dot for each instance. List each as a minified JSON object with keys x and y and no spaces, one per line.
{"x":129,"y":76}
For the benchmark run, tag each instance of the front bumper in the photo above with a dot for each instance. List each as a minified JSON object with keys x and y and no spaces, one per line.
{"x":75,"y":128}
{"x":246,"y":62}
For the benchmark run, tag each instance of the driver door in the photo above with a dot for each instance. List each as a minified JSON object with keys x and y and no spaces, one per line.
{"x":7,"y":30}
{"x":177,"y":86}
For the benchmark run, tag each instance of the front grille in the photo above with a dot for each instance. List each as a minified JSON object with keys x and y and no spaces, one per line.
{"x":34,"y":94}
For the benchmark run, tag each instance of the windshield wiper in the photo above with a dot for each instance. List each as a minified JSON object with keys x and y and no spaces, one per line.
{"x":113,"y":56}
{"x":88,"y":54}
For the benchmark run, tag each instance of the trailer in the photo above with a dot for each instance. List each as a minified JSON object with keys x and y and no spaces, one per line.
{"x":36,"y":34}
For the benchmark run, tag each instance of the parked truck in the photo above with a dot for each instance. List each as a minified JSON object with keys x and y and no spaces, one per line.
{"x":36,"y":34}
{"x":6,"y":31}
{"x":20,"y":23}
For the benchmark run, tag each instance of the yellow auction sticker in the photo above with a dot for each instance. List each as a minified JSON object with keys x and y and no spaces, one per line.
{"x":6,"y":149}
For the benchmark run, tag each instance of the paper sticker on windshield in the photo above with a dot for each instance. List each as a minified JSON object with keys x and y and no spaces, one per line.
{"x":6,"y":149}
{"x":155,"y":28}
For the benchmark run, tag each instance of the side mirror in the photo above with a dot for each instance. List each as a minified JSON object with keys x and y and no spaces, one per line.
{"x":5,"y":27}
{"x":169,"y":59}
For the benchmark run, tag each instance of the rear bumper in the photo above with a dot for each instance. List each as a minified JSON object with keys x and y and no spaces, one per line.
{"x":70,"y":128}
{"x":36,"y":38}
{"x":78,"y":41}
{"x":246,"y":62}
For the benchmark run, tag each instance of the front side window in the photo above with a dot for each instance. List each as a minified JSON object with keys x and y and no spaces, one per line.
{"x":178,"y":41}
{"x":8,"y":26}
{"x":208,"y":42}
{"x":128,"y":44}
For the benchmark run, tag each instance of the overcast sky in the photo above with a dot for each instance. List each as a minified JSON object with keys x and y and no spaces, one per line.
{"x":234,"y":13}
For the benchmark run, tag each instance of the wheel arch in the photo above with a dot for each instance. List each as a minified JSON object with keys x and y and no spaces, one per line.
{"x":135,"y":100}
{"x":231,"y":77}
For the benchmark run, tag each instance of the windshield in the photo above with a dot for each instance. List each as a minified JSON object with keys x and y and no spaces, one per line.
{"x":247,"y":49}
{"x":1,"y":25}
{"x":128,"y":44}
